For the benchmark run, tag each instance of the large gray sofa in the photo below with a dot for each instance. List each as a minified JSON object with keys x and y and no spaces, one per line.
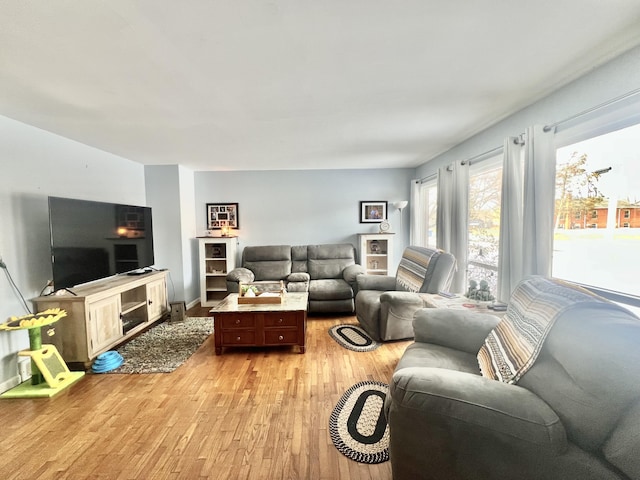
{"x":573,"y":415}
{"x":327,"y":272}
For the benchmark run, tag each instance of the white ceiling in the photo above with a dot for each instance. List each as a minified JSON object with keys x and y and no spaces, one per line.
{"x":293,"y":84}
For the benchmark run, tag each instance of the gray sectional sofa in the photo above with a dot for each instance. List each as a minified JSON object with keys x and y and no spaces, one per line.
{"x":328,"y":272}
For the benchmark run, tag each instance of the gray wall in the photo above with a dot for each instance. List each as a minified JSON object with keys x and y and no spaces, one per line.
{"x":36,"y":164}
{"x":619,"y":76}
{"x":170,"y":193}
{"x":299,"y":207}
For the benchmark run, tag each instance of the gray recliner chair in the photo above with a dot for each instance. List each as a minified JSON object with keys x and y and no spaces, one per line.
{"x":567,"y":410}
{"x":385,"y":305}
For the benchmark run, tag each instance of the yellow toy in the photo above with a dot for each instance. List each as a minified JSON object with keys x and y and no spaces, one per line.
{"x":49,"y":373}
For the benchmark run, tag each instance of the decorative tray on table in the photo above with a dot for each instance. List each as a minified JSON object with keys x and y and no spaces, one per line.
{"x":261,"y":292}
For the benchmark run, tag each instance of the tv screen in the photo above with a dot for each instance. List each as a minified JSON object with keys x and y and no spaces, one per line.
{"x":93,"y":240}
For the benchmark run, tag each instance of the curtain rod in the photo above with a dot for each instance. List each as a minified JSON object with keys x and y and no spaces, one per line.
{"x":518,"y":140}
{"x":593,"y":109}
{"x":481,"y":155}
{"x":433,"y":176}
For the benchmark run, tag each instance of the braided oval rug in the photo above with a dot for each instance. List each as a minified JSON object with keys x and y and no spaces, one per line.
{"x":357,"y":425}
{"x":353,"y":337}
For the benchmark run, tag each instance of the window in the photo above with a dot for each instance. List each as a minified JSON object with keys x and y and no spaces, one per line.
{"x":485,"y":192}
{"x":432,"y":214}
{"x":427,"y":214}
{"x":601,"y":175}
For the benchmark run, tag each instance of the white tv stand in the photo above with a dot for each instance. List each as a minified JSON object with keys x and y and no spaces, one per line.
{"x":103,"y":314}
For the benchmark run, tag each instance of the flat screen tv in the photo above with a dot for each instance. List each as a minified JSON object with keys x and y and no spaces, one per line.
{"x":93,"y":240}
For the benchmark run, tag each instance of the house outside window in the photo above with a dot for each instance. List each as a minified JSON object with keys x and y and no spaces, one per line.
{"x":485,"y":192}
{"x":600,"y":175}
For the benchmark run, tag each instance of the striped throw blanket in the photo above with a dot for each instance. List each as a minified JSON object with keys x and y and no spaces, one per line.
{"x":413,"y":268}
{"x":512,"y":347}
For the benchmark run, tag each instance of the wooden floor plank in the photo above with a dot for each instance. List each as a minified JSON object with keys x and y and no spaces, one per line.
{"x":249,"y":413}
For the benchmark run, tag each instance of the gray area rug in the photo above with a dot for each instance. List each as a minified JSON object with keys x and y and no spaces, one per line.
{"x":164,"y":347}
{"x":357,"y":425}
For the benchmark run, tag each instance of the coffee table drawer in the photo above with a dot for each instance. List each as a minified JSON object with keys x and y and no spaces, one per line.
{"x":280,"y":319}
{"x":240,"y":321}
{"x":284,"y":337}
{"x":239,"y":337}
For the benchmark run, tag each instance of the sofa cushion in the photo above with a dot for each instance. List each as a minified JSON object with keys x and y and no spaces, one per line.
{"x":329,"y":261}
{"x":330,"y":289}
{"x":299,"y":259}
{"x":268,"y":262}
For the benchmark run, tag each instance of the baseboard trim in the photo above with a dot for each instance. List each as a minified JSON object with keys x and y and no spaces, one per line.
{"x":10,"y":383}
{"x":193,"y":303}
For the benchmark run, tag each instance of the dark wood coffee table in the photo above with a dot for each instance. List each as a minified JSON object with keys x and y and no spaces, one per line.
{"x":260,"y":325}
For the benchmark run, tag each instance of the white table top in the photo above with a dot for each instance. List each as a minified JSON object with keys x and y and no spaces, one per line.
{"x":291,"y":301}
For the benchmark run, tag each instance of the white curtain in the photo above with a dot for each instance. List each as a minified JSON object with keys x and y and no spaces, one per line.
{"x":453,"y":205}
{"x":510,"y":263}
{"x":443,"y":217}
{"x":538,"y":201}
{"x":417,"y":225}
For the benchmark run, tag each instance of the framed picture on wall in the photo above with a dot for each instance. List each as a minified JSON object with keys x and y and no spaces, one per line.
{"x":222,"y":215}
{"x":373,"y":211}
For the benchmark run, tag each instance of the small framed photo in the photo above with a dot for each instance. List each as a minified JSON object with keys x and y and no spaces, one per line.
{"x":222,"y":216}
{"x":373,"y":212}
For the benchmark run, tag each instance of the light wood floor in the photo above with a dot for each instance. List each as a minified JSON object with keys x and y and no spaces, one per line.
{"x":247,"y":414}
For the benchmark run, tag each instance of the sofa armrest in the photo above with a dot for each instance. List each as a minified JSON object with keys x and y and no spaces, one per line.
{"x":381,"y":283}
{"x":240,"y":274}
{"x":401,"y":298}
{"x":458,"y":329}
{"x":467,"y":404}
{"x":351,"y":272}
{"x":298,"y":282}
{"x":237,"y":275}
{"x":298,"y":277}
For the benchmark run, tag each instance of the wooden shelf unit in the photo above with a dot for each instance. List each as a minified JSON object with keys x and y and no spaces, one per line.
{"x":217,"y":258}
{"x":103,"y":314}
{"x":376,"y":252}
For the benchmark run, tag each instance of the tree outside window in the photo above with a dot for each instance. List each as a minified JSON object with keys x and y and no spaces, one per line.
{"x":485,"y":192}
{"x":598,"y":189}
